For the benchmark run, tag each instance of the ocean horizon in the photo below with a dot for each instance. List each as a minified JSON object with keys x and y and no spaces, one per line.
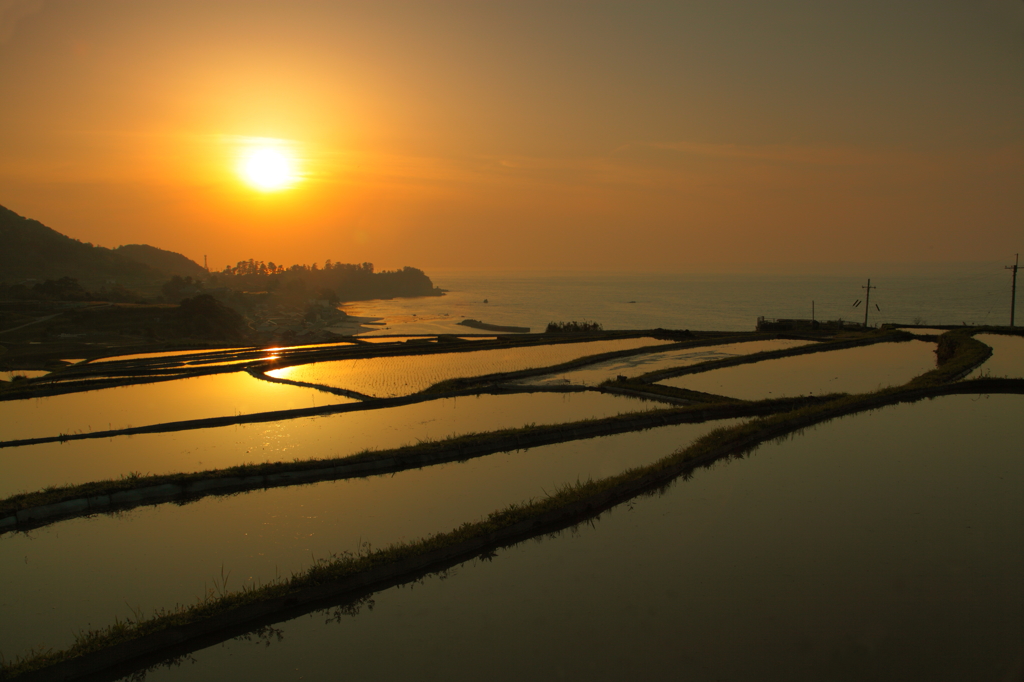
{"x":937,"y":294}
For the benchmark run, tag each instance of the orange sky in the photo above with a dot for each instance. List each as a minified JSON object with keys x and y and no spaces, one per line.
{"x":534,"y":135}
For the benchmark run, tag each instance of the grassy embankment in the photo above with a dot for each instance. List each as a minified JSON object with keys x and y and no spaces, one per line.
{"x":351,"y":574}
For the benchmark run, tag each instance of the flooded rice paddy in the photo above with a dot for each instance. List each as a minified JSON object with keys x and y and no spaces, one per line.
{"x":215,"y":395}
{"x":1007,"y":356}
{"x":385,"y":377}
{"x":60,"y":578}
{"x":634,"y":365}
{"x":27,"y":373}
{"x":213,"y":357}
{"x":33,"y":467}
{"x":885,"y":546}
{"x":176,"y":355}
{"x":397,"y":339}
{"x":922,"y":331}
{"x":852,"y":370}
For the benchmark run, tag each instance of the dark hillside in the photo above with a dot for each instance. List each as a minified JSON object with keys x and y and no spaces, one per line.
{"x":37,"y":262}
{"x":202,"y":318}
{"x":167,"y":262}
{"x":31,"y":250}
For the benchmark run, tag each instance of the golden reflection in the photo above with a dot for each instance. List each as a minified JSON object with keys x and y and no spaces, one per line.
{"x":283,"y":373}
{"x":388,"y":377}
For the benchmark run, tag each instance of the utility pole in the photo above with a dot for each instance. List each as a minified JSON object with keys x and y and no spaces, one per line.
{"x":1013,"y":287}
{"x":867,"y":301}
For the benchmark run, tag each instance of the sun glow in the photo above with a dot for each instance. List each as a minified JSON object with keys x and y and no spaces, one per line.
{"x":268,"y":169}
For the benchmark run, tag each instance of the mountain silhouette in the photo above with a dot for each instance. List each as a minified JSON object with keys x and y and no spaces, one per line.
{"x":168,"y":262}
{"x":30,"y":250}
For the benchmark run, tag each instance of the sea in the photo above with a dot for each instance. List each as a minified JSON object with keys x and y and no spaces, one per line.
{"x":938,"y":294}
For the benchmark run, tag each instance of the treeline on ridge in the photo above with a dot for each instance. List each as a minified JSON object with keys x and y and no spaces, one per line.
{"x":333,"y":282}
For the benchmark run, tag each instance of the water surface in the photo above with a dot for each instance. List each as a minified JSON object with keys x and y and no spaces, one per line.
{"x":922,"y":331}
{"x":631,"y":366}
{"x":27,"y":373}
{"x":214,"y":395}
{"x":176,"y":354}
{"x":949,"y":294}
{"x":395,"y":339}
{"x":887,"y":546}
{"x":1007,"y":356}
{"x":216,"y":355}
{"x":62,"y":577}
{"x":386,"y":377}
{"x":33,"y":467}
{"x":851,"y":370}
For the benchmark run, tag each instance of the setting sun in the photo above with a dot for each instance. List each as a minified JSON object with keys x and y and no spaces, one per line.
{"x":267,"y":169}
{"x":426,"y":255}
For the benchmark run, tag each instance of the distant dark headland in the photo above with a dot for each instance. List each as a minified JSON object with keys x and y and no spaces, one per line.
{"x":33,"y":253}
{"x":336,"y":281}
{"x":44,"y":273}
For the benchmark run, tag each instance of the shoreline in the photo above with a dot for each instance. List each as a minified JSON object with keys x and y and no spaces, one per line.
{"x":354,"y":325}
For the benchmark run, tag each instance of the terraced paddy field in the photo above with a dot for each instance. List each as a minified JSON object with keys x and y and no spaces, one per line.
{"x":1007,"y":356}
{"x":868,"y":548}
{"x":592,"y":375}
{"x":171,"y":554}
{"x":387,"y":377}
{"x":778,"y":542}
{"x":26,"y":373}
{"x":171,"y":356}
{"x":215,"y":355}
{"x":396,"y":339}
{"x":215,"y":395}
{"x":32,"y":467}
{"x":923,"y":331}
{"x":851,"y":370}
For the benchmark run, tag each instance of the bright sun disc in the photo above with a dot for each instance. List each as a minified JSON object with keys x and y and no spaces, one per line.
{"x":267,"y":169}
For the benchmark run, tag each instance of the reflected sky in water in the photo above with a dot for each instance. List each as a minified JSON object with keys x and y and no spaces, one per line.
{"x":176,"y":355}
{"x":923,"y":331}
{"x":852,"y":370}
{"x":649,"y":362}
{"x":214,"y":395}
{"x":159,"y":556}
{"x":883,"y":546}
{"x":36,"y":466}
{"x":1007,"y":356}
{"x":395,"y":339}
{"x":199,"y":355}
{"x":386,"y":377}
{"x":27,"y":373}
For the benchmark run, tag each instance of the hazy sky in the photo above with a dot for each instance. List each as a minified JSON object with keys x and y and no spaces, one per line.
{"x":575,"y":135}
